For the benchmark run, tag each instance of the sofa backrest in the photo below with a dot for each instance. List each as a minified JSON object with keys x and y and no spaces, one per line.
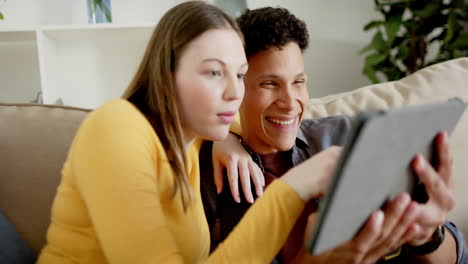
{"x":436,"y":83}
{"x":34,"y":141}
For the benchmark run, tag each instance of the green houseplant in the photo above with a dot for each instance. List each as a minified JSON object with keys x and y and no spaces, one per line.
{"x":408,"y":30}
{"x":99,"y":11}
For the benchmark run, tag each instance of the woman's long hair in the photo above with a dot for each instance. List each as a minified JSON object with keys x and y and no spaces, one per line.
{"x":152,"y":90}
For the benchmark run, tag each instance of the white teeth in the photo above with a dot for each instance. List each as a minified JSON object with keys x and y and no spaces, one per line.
{"x":281,"y":122}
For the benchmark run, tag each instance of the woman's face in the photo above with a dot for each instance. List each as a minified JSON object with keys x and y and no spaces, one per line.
{"x":209,"y":83}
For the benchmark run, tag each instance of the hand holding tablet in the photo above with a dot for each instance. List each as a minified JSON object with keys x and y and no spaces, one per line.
{"x":375,"y":167}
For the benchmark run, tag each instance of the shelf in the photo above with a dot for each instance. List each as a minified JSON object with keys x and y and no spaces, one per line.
{"x":4,"y":28}
{"x":26,"y":35}
{"x":100,"y":31}
{"x":19,"y":68}
{"x":85,"y":66}
{"x":94,"y":26}
{"x":81,"y":65}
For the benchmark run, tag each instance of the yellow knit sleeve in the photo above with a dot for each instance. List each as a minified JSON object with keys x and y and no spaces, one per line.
{"x":236,"y":127}
{"x":114,"y":163}
{"x":263,"y":229}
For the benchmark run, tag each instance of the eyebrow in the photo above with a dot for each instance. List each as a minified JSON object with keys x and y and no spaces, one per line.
{"x":273,"y":76}
{"x":213,"y":59}
{"x":220,"y":61}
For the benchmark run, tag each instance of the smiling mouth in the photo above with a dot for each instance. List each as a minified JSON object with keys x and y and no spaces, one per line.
{"x":281,"y":122}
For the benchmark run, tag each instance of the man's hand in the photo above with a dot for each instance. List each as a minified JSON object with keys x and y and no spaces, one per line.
{"x":383,"y":232}
{"x":231,"y":155}
{"x":438,"y":184}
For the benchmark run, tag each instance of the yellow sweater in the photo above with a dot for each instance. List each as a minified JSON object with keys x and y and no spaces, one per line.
{"x":114,"y":203}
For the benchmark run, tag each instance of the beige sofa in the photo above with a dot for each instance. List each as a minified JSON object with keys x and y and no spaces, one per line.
{"x":34,"y":140}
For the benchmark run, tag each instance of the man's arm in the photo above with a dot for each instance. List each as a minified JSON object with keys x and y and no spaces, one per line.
{"x":446,"y":253}
{"x":452,"y":250}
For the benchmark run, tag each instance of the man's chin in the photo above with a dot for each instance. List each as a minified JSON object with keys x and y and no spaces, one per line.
{"x":282,"y":141}
{"x":285,"y":146}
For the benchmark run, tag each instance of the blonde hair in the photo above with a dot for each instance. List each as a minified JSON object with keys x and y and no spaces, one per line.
{"x":152,"y":88}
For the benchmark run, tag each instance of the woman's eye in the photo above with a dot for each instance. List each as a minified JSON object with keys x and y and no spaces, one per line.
{"x":240,"y":76}
{"x":214,"y":73}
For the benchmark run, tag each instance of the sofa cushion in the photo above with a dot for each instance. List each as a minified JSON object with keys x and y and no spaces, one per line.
{"x":432,"y":84}
{"x":34,"y":141}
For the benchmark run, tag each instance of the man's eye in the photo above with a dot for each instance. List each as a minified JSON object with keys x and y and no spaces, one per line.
{"x":267,"y":84}
{"x":299,"y":82}
{"x":240,"y":76}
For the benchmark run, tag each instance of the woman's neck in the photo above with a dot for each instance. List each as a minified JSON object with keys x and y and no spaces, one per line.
{"x":187,"y":139}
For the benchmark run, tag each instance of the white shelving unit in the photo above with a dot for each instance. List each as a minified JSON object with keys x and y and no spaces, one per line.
{"x":80,"y":65}
{"x":47,"y":46}
{"x":19,"y":65}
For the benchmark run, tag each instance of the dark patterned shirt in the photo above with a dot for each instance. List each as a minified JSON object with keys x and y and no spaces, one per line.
{"x":315,"y":135}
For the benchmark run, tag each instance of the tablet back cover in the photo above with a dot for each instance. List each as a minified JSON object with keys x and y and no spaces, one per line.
{"x":377,"y":167}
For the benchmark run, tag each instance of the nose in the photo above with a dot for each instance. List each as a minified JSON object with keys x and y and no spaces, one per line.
{"x":287,"y":99}
{"x":234,"y":89}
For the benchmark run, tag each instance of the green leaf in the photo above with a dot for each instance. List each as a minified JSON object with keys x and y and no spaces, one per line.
{"x":373,"y":24}
{"x":393,"y":74}
{"x":411,"y":25}
{"x":370,"y":73}
{"x":403,"y":52}
{"x":93,"y":8}
{"x":106,"y":11}
{"x":461,"y":42}
{"x":375,"y":59}
{"x":451,"y":21}
{"x":377,"y":43}
{"x":456,"y":56}
{"x":392,"y":27}
{"x":366,"y":49}
{"x":429,"y":10}
{"x":99,"y":3}
{"x":1,"y":16}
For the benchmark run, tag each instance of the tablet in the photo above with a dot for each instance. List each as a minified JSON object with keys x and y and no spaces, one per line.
{"x":375,"y":166}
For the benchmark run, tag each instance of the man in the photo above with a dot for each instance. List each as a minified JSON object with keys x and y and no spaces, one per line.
{"x":277,"y":138}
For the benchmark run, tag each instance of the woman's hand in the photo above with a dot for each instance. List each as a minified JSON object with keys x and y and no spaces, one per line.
{"x":310,"y":178}
{"x":231,"y":155}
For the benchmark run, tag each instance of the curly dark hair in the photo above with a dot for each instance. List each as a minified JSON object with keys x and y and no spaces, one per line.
{"x":271,"y":27}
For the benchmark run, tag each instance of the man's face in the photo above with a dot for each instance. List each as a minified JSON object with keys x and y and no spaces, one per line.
{"x":275,"y":97}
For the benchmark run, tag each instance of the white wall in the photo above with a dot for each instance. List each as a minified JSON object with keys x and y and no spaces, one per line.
{"x":335,"y":28}
{"x":336,"y":36}
{"x":53,"y":12}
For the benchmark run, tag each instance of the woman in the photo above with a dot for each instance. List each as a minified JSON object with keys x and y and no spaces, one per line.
{"x":130,"y":186}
